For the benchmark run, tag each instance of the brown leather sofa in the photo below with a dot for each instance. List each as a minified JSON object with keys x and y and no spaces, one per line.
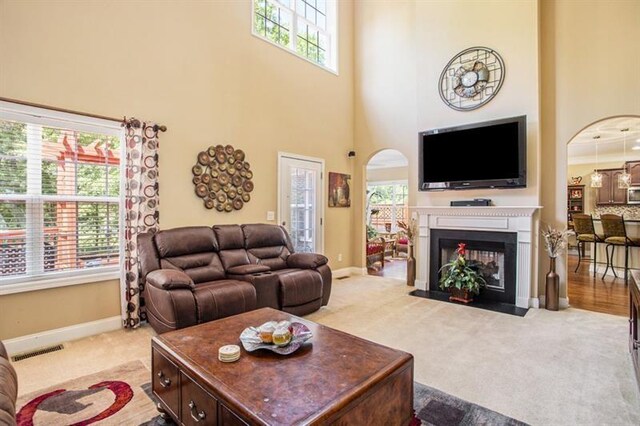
{"x":8,"y":389}
{"x":198,"y":274}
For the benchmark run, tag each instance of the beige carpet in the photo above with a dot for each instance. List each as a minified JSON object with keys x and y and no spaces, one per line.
{"x":567,"y":367}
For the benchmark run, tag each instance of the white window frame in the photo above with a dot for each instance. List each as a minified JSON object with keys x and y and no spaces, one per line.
{"x":36,"y":278}
{"x":331,"y":33}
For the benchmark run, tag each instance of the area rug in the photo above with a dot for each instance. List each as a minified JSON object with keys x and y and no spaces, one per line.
{"x":122,"y":396}
{"x":111,"y":397}
{"x":433,"y":407}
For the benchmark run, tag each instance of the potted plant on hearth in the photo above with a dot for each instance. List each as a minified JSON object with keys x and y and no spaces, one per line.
{"x":461,"y":280}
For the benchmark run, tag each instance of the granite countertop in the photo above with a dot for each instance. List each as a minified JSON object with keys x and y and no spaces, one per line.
{"x":632,"y":220}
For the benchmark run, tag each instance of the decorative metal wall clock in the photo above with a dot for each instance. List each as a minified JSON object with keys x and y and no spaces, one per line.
{"x":222,"y":178}
{"x":472,"y":78}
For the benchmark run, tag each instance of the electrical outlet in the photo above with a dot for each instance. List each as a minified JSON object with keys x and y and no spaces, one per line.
{"x":340,"y":257}
{"x":271,"y":215}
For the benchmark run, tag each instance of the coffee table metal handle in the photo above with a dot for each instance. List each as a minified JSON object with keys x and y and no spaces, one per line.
{"x":164,"y":382}
{"x":194,"y":412}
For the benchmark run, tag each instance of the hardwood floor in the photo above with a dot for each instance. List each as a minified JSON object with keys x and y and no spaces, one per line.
{"x":610,"y":296}
{"x":393,"y":268}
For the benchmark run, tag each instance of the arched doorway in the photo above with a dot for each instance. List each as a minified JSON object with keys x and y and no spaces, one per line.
{"x":387,"y":196}
{"x":604,"y":178}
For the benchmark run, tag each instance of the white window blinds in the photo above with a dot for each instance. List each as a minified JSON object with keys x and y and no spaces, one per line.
{"x":59,"y":194}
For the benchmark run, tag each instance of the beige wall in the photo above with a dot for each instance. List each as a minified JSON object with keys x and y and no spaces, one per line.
{"x":590,"y":64}
{"x":34,"y":311}
{"x":400,"y":50}
{"x":195,"y":67}
{"x":387,"y":174}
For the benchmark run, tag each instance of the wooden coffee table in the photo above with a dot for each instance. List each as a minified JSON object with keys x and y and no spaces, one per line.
{"x":334,"y":378}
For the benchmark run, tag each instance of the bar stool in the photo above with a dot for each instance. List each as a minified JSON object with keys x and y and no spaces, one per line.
{"x":615,"y":234}
{"x":586,"y":233}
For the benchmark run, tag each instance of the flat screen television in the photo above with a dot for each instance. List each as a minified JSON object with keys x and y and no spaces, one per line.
{"x":491,"y":154}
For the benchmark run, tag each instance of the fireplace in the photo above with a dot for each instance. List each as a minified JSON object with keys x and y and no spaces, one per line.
{"x":492,"y":254}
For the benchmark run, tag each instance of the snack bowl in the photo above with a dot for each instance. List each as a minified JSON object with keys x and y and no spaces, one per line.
{"x":251,"y":341}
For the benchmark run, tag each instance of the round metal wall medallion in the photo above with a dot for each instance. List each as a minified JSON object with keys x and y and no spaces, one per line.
{"x":222,"y":179}
{"x":472,"y":78}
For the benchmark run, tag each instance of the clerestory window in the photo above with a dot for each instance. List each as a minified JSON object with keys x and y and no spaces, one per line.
{"x":304,"y":27}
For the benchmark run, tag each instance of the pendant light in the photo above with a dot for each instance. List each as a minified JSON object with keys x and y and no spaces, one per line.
{"x":624,"y":178}
{"x":596,"y":176}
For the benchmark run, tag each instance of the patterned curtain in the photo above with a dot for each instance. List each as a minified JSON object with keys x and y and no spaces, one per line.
{"x":141,"y":211}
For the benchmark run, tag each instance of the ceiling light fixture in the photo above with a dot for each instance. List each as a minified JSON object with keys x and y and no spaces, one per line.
{"x":596,"y":177}
{"x":624,"y":178}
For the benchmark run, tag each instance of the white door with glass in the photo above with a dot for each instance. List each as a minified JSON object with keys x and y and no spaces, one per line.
{"x":300,"y":207}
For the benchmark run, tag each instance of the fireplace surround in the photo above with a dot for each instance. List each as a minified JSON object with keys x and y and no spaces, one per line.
{"x":518,"y":221}
{"x":491,"y":254}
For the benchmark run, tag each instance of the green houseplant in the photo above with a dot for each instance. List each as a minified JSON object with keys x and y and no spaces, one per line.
{"x":461,"y":280}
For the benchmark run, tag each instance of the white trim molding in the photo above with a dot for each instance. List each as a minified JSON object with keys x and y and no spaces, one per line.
{"x":517,"y":219}
{"x":60,"y":335}
{"x":349,"y":271}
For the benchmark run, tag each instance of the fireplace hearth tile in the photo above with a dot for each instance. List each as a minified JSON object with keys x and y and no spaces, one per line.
{"x":503,"y":308}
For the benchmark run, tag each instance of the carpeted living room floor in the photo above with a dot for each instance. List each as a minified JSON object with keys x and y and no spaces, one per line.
{"x":567,"y":367}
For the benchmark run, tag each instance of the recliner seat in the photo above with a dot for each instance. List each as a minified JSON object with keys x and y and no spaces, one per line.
{"x":198,"y":274}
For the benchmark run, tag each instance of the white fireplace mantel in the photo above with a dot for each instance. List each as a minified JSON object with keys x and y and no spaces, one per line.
{"x":518,"y":219}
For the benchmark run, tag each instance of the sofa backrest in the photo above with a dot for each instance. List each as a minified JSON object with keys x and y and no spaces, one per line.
{"x":231,"y":242}
{"x":205,"y":253}
{"x":192,"y":249}
{"x":267,"y":244}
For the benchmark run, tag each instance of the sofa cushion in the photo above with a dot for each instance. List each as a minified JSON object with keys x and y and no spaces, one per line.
{"x":232,"y":258}
{"x":263,"y":235}
{"x":267,"y":245}
{"x":229,"y":236}
{"x":247,"y":269}
{"x":201,"y":267}
{"x":186,"y":240}
{"x":223,"y":298}
{"x":300,"y":287}
{"x":8,"y":387}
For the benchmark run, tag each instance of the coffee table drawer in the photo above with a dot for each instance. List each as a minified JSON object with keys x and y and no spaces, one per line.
{"x":198,"y":406}
{"x":227,"y":418}
{"x":165,"y":382}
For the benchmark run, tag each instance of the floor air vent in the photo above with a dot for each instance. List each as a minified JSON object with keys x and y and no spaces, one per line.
{"x":343,"y":278}
{"x":36,"y":353}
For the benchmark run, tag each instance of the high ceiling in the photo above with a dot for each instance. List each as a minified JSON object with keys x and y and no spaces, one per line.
{"x":582,"y":148}
{"x":387,"y":158}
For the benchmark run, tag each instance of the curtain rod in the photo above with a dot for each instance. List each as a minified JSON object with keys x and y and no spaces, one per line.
{"x":70,"y":111}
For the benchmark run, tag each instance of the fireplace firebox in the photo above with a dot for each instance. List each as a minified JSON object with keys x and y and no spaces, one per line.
{"x":491,"y":254}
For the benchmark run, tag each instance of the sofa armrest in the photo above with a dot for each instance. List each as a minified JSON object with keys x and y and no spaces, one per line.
{"x":169,"y":279}
{"x":247,"y":269}
{"x":306,"y":260}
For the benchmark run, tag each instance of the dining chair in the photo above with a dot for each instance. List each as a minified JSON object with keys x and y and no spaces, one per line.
{"x":586,"y":233}
{"x":615,"y":235}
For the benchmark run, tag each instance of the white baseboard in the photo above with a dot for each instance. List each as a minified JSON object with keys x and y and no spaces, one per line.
{"x":562,"y":304}
{"x":60,"y":335}
{"x":348,"y":272}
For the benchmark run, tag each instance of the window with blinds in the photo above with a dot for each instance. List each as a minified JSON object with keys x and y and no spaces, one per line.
{"x":59,"y":194}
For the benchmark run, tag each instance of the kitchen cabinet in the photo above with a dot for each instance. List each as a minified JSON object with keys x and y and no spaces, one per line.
{"x":633,"y":167}
{"x":610,"y":193}
{"x":575,"y":201}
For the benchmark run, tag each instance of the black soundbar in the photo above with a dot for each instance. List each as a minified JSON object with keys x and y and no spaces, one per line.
{"x":477,"y":202}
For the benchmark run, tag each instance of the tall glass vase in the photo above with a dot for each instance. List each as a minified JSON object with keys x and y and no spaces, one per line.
{"x":552,"y":293}
{"x":411,"y":266}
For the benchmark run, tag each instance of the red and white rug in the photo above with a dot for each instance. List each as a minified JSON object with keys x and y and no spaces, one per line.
{"x":111,"y":397}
